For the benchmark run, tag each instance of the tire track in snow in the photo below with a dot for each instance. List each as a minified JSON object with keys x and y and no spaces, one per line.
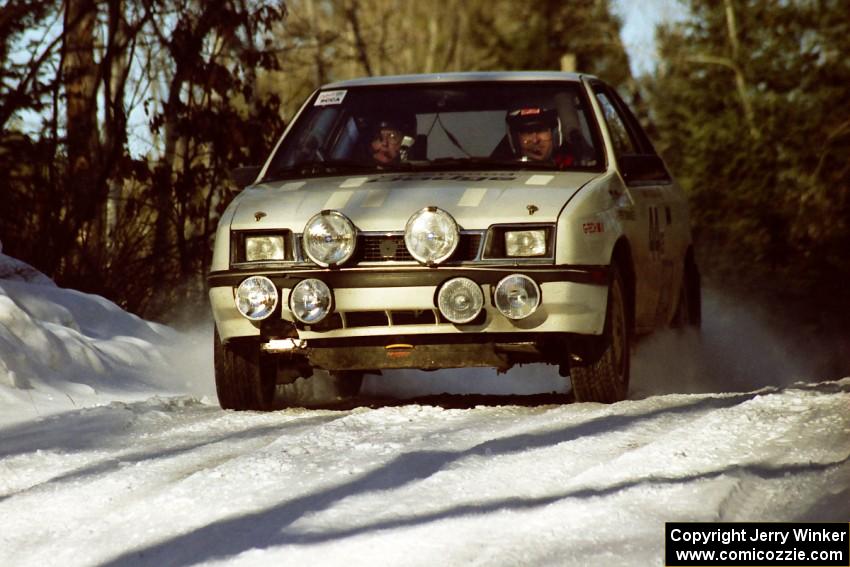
{"x":632,"y":440}
{"x":755,"y":449}
{"x":572,"y":439}
{"x":291,"y":515}
{"x":295,"y":480}
{"x":167,"y":439}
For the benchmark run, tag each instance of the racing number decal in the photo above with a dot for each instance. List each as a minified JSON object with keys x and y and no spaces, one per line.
{"x":656,"y":234}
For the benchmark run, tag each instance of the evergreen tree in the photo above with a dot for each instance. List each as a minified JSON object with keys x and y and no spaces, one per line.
{"x":750,"y":107}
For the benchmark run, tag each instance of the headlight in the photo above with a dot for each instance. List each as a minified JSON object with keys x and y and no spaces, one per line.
{"x":329,"y":238}
{"x":269,"y":247}
{"x":460,"y":300}
{"x":517,"y":296}
{"x":256,"y":298}
{"x":525,"y":242}
{"x":310,"y":301}
{"x":431,"y":235}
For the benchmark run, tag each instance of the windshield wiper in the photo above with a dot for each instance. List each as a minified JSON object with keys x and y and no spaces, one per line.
{"x":311,"y":168}
{"x":481,"y":163}
{"x":319,"y":167}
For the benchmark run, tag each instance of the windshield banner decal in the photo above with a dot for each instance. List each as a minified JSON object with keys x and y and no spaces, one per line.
{"x":328,"y":98}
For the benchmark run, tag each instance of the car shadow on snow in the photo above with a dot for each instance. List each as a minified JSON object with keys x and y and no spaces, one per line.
{"x":267,"y":528}
{"x":450,"y":401}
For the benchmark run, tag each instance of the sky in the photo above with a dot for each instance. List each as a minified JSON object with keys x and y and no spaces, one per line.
{"x":640,"y":18}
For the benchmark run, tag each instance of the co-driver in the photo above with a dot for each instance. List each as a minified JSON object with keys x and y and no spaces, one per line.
{"x":535,"y":135}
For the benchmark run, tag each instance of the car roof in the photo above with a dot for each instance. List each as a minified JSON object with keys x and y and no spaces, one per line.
{"x":468,"y":77}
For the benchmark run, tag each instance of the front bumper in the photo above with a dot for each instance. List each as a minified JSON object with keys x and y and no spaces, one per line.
{"x":371,"y":302}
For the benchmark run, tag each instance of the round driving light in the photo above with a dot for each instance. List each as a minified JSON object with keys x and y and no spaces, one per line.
{"x":517,"y":296}
{"x":256,"y":298}
{"x":460,"y":300}
{"x":431,"y":235}
{"x":329,"y":238}
{"x":310,"y":301}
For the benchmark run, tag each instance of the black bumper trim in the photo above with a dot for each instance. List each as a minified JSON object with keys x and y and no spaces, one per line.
{"x":415,"y":276}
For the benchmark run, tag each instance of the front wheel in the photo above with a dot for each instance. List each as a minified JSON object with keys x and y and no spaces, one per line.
{"x":244,"y":378}
{"x":606,"y":379}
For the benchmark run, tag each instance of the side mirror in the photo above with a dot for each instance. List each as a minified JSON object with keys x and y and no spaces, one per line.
{"x":642,"y":169}
{"x":244,"y":176}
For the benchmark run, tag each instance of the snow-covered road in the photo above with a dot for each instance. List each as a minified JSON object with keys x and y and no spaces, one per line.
{"x":177,"y":482}
{"x":113,"y":452}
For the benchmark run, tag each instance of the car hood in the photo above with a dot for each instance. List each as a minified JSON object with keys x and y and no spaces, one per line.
{"x":384,"y":202}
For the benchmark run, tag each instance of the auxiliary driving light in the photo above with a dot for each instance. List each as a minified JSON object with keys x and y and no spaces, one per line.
{"x":460,"y":300}
{"x":256,"y":298}
{"x":431,"y":235}
{"x":310,"y":301}
{"x":329,"y":238}
{"x":517,"y":296}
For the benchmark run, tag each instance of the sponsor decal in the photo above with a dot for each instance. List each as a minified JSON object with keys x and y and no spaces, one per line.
{"x":593,"y":227}
{"x":656,"y":234}
{"x":401,"y":350}
{"x":329,"y":98}
{"x":539,"y":179}
{"x":292,"y":186}
{"x":375,"y":198}
{"x":472,"y":197}
{"x":338,"y":200}
{"x":354,"y":182}
{"x":443,"y":177}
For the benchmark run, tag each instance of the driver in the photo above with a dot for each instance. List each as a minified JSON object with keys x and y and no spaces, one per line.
{"x":535,"y":134}
{"x":387,"y":139}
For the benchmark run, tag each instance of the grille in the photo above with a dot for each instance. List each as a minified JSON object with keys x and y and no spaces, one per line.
{"x":467,"y":248}
{"x":391,"y":248}
{"x":385,"y":249}
{"x":354,"y":319}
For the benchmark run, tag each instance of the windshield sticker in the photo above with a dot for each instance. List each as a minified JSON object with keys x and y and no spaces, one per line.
{"x":338,"y":200}
{"x":375,"y":198}
{"x":472,"y":197}
{"x":539,"y":179}
{"x":354,"y":182}
{"x":292,"y":186}
{"x":328,"y":98}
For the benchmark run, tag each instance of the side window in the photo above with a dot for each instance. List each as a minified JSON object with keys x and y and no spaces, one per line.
{"x":623,"y":142}
{"x":641,"y":140}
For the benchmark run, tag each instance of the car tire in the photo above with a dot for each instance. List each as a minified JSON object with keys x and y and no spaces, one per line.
{"x":244,"y":379}
{"x":606,"y":380}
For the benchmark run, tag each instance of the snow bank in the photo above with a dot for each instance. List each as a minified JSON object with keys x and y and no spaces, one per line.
{"x":61,"y":349}
{"x":12,"y":269}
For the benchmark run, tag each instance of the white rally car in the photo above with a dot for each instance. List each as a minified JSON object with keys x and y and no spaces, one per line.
{"x":450,"y":220}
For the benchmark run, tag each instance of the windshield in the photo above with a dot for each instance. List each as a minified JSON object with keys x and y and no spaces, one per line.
{"x":500,"y":125}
